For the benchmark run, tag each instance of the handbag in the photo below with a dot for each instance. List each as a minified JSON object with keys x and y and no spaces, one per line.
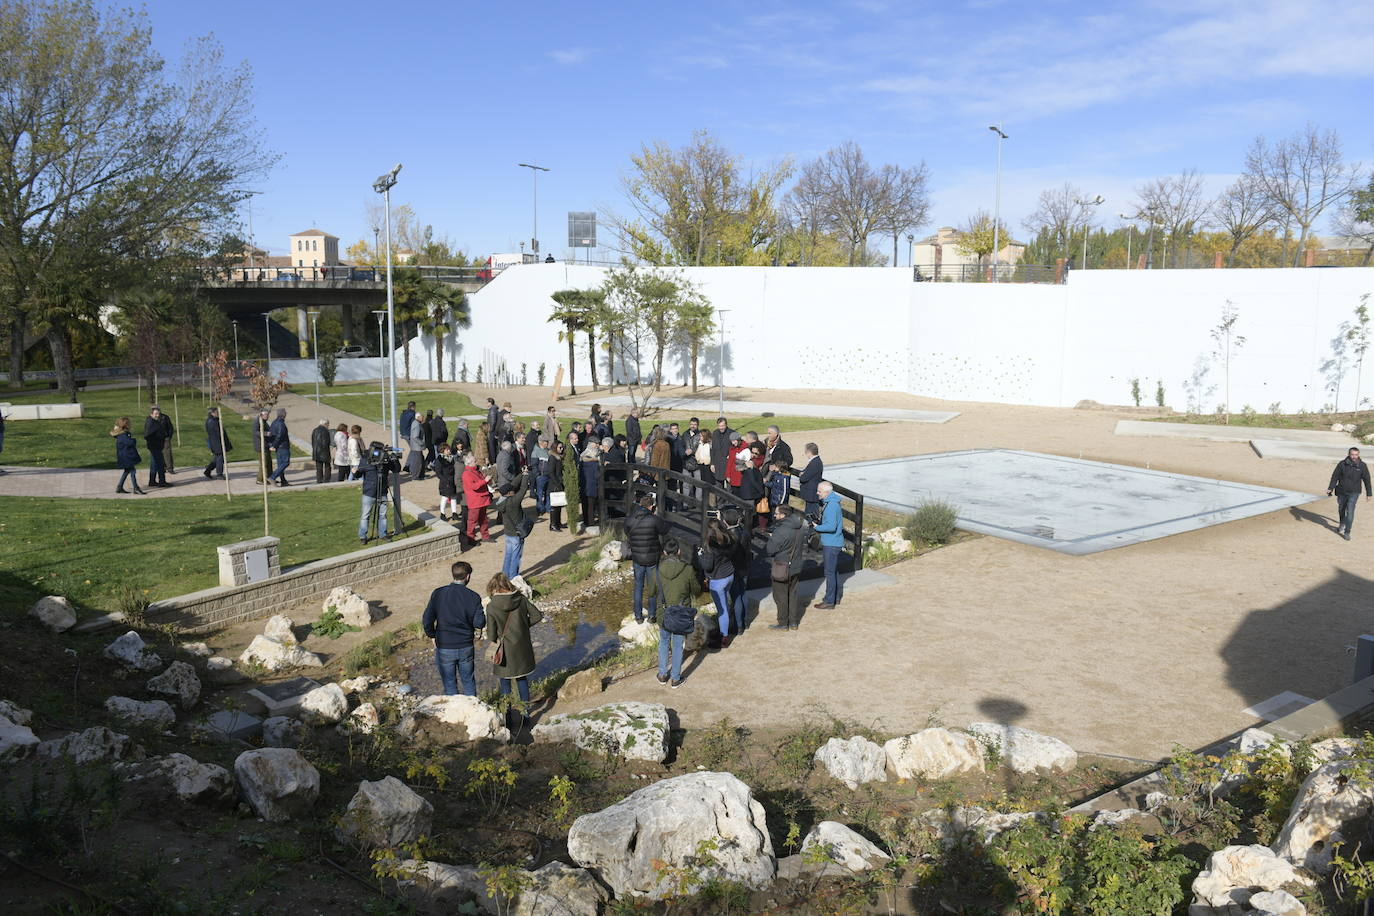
{"x":498,"y":650}
{"x":677,"y":619}
{"x":761,"y":507}
{"x":526,"y":526}
{"x":558,"y":499}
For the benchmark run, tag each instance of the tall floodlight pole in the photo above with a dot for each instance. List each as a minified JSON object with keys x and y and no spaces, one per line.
{"x":1085,"y":204}
{"x":534,"y":233}
{"x":381,"y":313}
{"x":315,"y":347}
{"x":720,"y":360}
{"x":267,"y":339}
{"x":997,"y":200}
{"x":383,"y":186}
{"x":236,"y":342}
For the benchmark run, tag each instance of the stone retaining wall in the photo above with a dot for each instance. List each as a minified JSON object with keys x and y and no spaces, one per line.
{"x":215,"y":608}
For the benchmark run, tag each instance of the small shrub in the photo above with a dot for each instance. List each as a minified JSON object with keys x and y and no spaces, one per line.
{"x":542,"y":372}
{"x":1159,"y":393}
{"x":371,"y":654}
{"x":720,"y":745}
{"x":1364,"y":429}
{"x":331,"y":624}
{"x":463,"y":374}
{"x":933,"y":522}
{"x":1135,"y":391}
{"x":329,"y":369}
{"x":1276,"y":410}
{"x":491,"y":781}
{"x":1248,"y":414}
{"x":524,"y":373}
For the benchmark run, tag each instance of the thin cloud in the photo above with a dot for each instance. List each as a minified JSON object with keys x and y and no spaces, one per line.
{"x":569,"y":57}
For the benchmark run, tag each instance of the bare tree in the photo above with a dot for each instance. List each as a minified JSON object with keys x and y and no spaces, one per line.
{"x":1177,"y":205}
{"x":849,"y":189}
{"x":1240,"y":211}
{"x":1355,"y":221}
{"x":906,"y":201}
{"x":1059,"y":211}
{"x":1302,"y":175}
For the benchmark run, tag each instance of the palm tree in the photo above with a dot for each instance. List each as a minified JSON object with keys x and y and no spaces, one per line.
{"x":446,"y":309}
{"x":410,"y":296}
{"x":572,"y":313}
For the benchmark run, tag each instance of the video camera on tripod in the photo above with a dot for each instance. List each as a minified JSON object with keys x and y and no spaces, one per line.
{"x":383,"y":457}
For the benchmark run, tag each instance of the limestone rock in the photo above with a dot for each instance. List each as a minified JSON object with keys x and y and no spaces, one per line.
{"x":356,"y":684}
{"x":277,"y":656}
{"x":180,"y":681}
{"x":1254,"y":739}
{"x":221,"y":671}
{"x":198,"y":649}
{"x":1327,"y":804}
{"x":638,"y":634}
{"x":1277,"y":903}
{"x":522,"y":586}
{"x":792,"y":868}
{"x":616,"y":551}
{"x":279,"y":628}
{"x":15,"y":713}
{"x":588,"y":683}
{"x":1156,"y":800}
{"x":187,"y":779}
{"x":277,"y":782}
{"x":445,"y":888}
{"x":957,"y":824}
{"x":605,"y":565}
{"x":1235,"y":873}
{"x":665,"y":822}
{"x":1101,"y":819}
{"x":354,"y":609}
{"x":154,"y":714}
{"x":16,"y":741}
{"x":853,"y":760}
{"x":1332,"y":749}
{"x":479,"y":719}
{"x":844,"y":847}
{"x":282,"y":731}
{"x":557,"y":889}
{"x":364,"y":720}
{"x":131,"y":652}
{"x":325,"y":705}
{"x":934,"y":753}
{"x":92,"y":745}
{"x":54,"y":612}
{"x":1025,"y":751}
{"x":896,"y":539}
{"x":385,"y":813}
{"x":636,"y":731}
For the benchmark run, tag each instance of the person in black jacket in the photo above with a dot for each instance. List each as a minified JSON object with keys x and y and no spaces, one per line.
{"x":633,"y":436}
{"x":168,"y":433}
{"x":512,"y":515}
{"x":279,"y":439}
{"x":776,"y":449}
{"x":1346,"y":480}
{"x":720,"y":449}
{"x":376,"y":484}
{"x":155,"y":436}
{"x":644,"y":532}
{"x":462,"y":439}
{"x":785,"y":546}
{"x":717,"y":561}
{"x":810,"y":478}
{"x":321,"y":438}
{"x":213,"y":433}
{"x":427,"y":438}
{"x":453,"y":618}
{"x":439,"y":426}
{"x":126,"y":456}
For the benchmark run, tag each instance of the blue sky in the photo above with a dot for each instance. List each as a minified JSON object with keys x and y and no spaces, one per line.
{"x":1105,"y":95}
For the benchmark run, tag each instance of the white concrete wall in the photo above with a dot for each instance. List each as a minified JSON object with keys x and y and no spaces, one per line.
{"x":872,"y":328}
{"x":302,"y":371}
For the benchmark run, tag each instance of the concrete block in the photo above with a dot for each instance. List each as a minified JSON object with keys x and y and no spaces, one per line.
{"x":42,"y":411}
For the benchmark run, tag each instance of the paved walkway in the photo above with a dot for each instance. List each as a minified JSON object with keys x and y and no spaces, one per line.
{"x":710,"y":406}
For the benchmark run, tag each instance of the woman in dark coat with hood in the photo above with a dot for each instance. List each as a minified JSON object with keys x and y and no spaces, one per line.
{"x":126,"y":455}
{"x":509,"y":618}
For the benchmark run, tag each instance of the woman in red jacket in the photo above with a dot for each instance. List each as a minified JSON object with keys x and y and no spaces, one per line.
{"x":477,"y":489}
{"x":738,"y":448}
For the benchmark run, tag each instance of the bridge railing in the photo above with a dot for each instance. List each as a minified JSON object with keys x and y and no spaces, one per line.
{"x":342,"y":273}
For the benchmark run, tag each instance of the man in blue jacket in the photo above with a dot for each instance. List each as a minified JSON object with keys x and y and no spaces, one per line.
{"x":452,"y":618}
{"x":831,"y":530}
{"x":279,"y":438}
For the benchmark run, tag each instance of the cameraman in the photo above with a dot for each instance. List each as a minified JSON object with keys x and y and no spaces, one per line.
{"x":378,"y":466}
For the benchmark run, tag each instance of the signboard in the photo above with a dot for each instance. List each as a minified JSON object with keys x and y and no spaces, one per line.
{"x":581,"y":229}
{"x":500,"y":262}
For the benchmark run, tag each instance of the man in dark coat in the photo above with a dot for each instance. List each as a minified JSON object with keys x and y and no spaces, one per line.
{"x":644,"y":532}
{"x":1347,"y":479}
{"x":427,"y":438}
{"x":215,"y":468}
{"x":439,"y":427}
{"x":377,"y":476}
{"x":279,"y":438}
{"x":512,"y":515}
{"x":453,"y":618}
{"x":155,"y":435}
{"x":775,"y":449}
{"x":720,"y":450}
{"x":462,"y":437}
{"x":785,"y":546}
{"x":493,"y":427}
{"x":406,"y":419}
{"x":321,"y":438}
{"x":633,"y":436}
{"x":168,"y":433}
{"x":810,"y":478}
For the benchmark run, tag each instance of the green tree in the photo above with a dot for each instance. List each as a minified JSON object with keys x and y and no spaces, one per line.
{"x":576,"y":310}
{"x":111,"y":171}
{"x":446,"y":310}
{"x":417,"y":301}
{"x":978,"y":235}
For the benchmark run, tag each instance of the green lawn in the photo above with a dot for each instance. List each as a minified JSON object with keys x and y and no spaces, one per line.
{"x":86,"y":443}
{"x":1301,"y":420}
{"x":92,"y":550}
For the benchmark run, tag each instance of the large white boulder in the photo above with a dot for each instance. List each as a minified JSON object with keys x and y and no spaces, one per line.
{"x":277,"y":656}
{"x":92,"y":745}
{"x":853,"y":760}
{"x":934,"y":753}
{"x":154,"y":714}
{"x":956,"y":825}
{"x":1023,"y":750}
{"x":180,"y":681}
{"x":1327,"y":804}
{"x":556,"y":889}
{"x":1236,"y":873}
{"x":16,"y":741}
{"x":1277,"y":903}
{"x":54,"y":612}
{"x":187,"y":779}
{"x":385,"y":813}
{"x":844,"y":847}
{"x":277,"y":782}
{"x":353,"y":607}
{"x":15,"y":713}
{"x":131,"y":652}
{"x":364,"y":720}
{"x":283,"y":731}
{"x":666,"y":823}
{"x":635,"y":731}
{"x":325,"y":705}
{"x":445,"y":888}
{"x":479,"y":719}
{"x":638,"y":634}
{"x":279,"y":628}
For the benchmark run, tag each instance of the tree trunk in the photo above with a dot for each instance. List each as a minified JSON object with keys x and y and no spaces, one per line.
{"x":658,"y":368}
{"x":1367,"y":253}
{"x":696,"y":349}
{"x":405,"y":348}
{"x":572,"y":368}
{"x":60,"y":344}
{"x":439,"y":355}
{"x":346,"y":319}
{"x":1302,"y":245}
{"x":225,"y":453}
{"x":591,"y":356}
{"x":17,"y":329}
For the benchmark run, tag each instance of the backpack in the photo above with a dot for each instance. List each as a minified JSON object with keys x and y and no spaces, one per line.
{"x":677,"y":619}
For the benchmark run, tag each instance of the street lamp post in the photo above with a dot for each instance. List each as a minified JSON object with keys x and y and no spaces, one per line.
{"x":267,"y":339}
{"x":383,"y":186}
{"x":534,"y":234}
{"x":910,"y":247}
{"x":235,"y":322}
{"x":997,"y":200}
{"x":315,"y":346}
{"x":720,"y":360}
{"x":381,"y":313}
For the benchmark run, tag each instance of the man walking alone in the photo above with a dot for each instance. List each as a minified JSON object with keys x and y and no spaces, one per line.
{"x":452,"y":619}
{"x":1346,"y":480}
